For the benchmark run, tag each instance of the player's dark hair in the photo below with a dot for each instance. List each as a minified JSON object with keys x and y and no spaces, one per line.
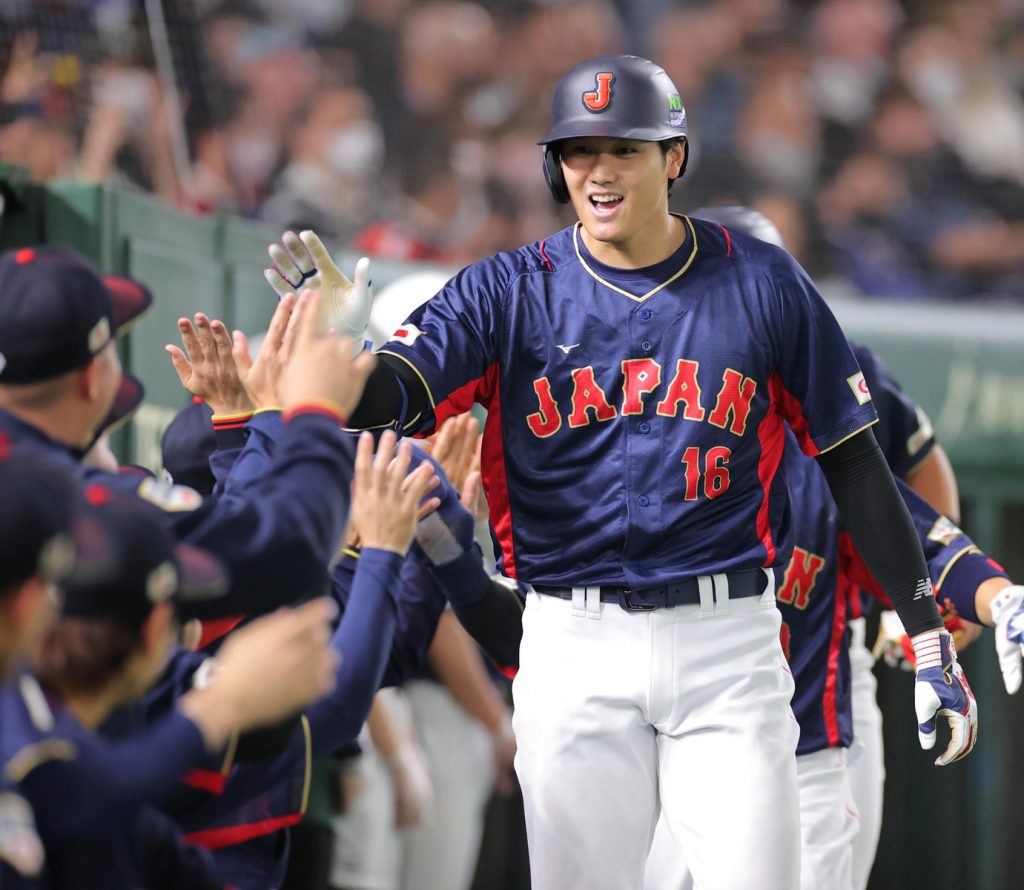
{"x":83,"y":655}
{"x":666,"y":146}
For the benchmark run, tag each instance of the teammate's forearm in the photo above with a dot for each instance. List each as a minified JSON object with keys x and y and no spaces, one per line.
{"x":881,"y":527}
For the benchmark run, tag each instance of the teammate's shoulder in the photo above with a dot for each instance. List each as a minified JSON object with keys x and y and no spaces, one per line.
{"x":715,"y":239}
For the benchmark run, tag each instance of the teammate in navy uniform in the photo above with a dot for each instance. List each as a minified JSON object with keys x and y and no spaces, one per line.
{"x":645,"y":366}
{"x":59,"y":373}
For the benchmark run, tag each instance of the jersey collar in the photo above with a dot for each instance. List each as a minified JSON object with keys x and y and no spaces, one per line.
{"x":667,"y":271}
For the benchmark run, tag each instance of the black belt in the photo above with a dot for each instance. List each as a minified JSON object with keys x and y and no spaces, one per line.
{"x":681,"y":593}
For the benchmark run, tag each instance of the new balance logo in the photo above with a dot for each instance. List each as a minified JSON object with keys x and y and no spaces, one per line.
{"x":567,"y":349}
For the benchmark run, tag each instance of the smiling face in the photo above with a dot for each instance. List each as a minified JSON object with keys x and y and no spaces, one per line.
{"x":618,"y":189}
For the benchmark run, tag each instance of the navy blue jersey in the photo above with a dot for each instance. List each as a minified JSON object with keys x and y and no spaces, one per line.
{"x":825,"y":571}
{"x":642,"y":409}
{"x":90,"y":797}
{"x":275,"y":534}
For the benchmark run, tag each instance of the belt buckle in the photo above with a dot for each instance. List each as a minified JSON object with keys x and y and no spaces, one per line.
{"x":635,"y":607}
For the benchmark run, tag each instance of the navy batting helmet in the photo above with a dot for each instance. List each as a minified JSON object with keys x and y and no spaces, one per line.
{"x":622,"y":96}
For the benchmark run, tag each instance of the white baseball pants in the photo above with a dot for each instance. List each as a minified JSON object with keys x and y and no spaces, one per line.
{"x":622,"y":715}
{"x":828,"y":824}
{"x":867,"y":757}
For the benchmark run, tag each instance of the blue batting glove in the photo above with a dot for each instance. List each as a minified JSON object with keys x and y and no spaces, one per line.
{"x":941,"y":688}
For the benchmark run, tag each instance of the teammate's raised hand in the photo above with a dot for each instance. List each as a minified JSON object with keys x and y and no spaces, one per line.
{"x":317,"y":366}
{"x":206,"y":367}
{"x":260,"y":376}
{"x":454,"y":448}
{"x":302,"y":261}
{"x":1007,"y":609}
{"x":941,"y":689}
{"x":386,"y":496}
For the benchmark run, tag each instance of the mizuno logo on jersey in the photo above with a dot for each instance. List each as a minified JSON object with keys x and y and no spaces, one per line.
{"x":567,"y":349}
{"x":860,"y":388}
{"x":589,"y":403}
{"x":407,"y":334}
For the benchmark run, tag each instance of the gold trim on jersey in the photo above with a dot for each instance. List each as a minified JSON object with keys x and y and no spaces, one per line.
{"x":416,"y":371}
{"x":31,"y":756}
{"x":850,"y":436}
{"x":625,"y":293}
{"x":968,"y":549}
{"x":309,"y":764}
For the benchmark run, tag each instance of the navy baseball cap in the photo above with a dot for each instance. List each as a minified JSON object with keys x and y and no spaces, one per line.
{"x":126,"y":562}
{"x":130,"y":394}
{"x":186,"y":447}
{"x":35,"y":520}
{"x":59,"y":311}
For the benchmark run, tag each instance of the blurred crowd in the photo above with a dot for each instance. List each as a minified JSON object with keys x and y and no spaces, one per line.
{"x":883,"y":138}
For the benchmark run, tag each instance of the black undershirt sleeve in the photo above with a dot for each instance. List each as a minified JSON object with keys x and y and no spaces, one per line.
{"x":391,"y":386}
{"x":880,"y":525}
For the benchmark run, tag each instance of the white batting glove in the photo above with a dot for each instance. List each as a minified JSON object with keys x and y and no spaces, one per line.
{"x":302,"y":261}
{"x":1008,"y":614}
{"x":941,"y":689}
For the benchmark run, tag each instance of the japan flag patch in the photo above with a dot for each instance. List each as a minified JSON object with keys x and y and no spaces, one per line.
{"x":860,"y":388}
{"x":406,"y":335}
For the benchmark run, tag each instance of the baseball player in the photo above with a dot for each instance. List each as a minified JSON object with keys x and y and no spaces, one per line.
{"x":59,"y":375}
{"x":644,"y":366}
{"x":907,"y":439}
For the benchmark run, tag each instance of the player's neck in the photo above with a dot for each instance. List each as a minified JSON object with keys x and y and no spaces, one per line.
{"x":656,"y":240}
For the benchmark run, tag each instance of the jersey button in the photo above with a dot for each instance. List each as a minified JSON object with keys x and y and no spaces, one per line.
{"x":645,"y":427}
{"x":646,"y":345}
{"x":643,"y":500}
{"x":646,"y":314}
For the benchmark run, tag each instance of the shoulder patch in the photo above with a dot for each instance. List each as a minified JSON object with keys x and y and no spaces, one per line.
{"x":407,"y":334}
{"x":860,"y":388}
{"x":923,"y":434}
{"x":944,"y":532}
{"x":169,"y":498}
{"x":20,"y":846}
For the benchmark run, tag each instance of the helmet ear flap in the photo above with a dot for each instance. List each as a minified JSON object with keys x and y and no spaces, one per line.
{"x":553,"y":174}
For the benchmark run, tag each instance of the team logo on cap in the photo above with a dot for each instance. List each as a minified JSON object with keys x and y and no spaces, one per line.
{"x":600,"y":97}
{"x":99,"y":335}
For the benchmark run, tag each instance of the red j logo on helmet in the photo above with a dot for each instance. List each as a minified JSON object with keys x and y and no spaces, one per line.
{"x":598,"y":98}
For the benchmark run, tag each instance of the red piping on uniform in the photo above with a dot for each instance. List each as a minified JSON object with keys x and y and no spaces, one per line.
{"x":793,"y":410}
{"x":495,"y":479}
{"x":771,"y":435}
{"x":728,"y":240}
{"x":459,"y":402}
{"x":828,"y":701}
{"x":205,"y":780}
{"x":215,"y":838}
{"x":544,"y":254}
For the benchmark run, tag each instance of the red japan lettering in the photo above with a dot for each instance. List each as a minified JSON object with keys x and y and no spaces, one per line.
{"x":640,"y":376}
{"x":546,"y":421}
{"x":587,"y":395}
{"x":734,"y":399}
{"x":684,"y":389}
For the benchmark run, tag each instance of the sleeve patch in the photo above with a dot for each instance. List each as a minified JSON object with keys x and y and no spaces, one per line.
{"x":169,"y":498}
{"x":407,"y":334}
{"x":944,"y":531}
{"x":860,"y":388}
{"x":923,"y":434}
